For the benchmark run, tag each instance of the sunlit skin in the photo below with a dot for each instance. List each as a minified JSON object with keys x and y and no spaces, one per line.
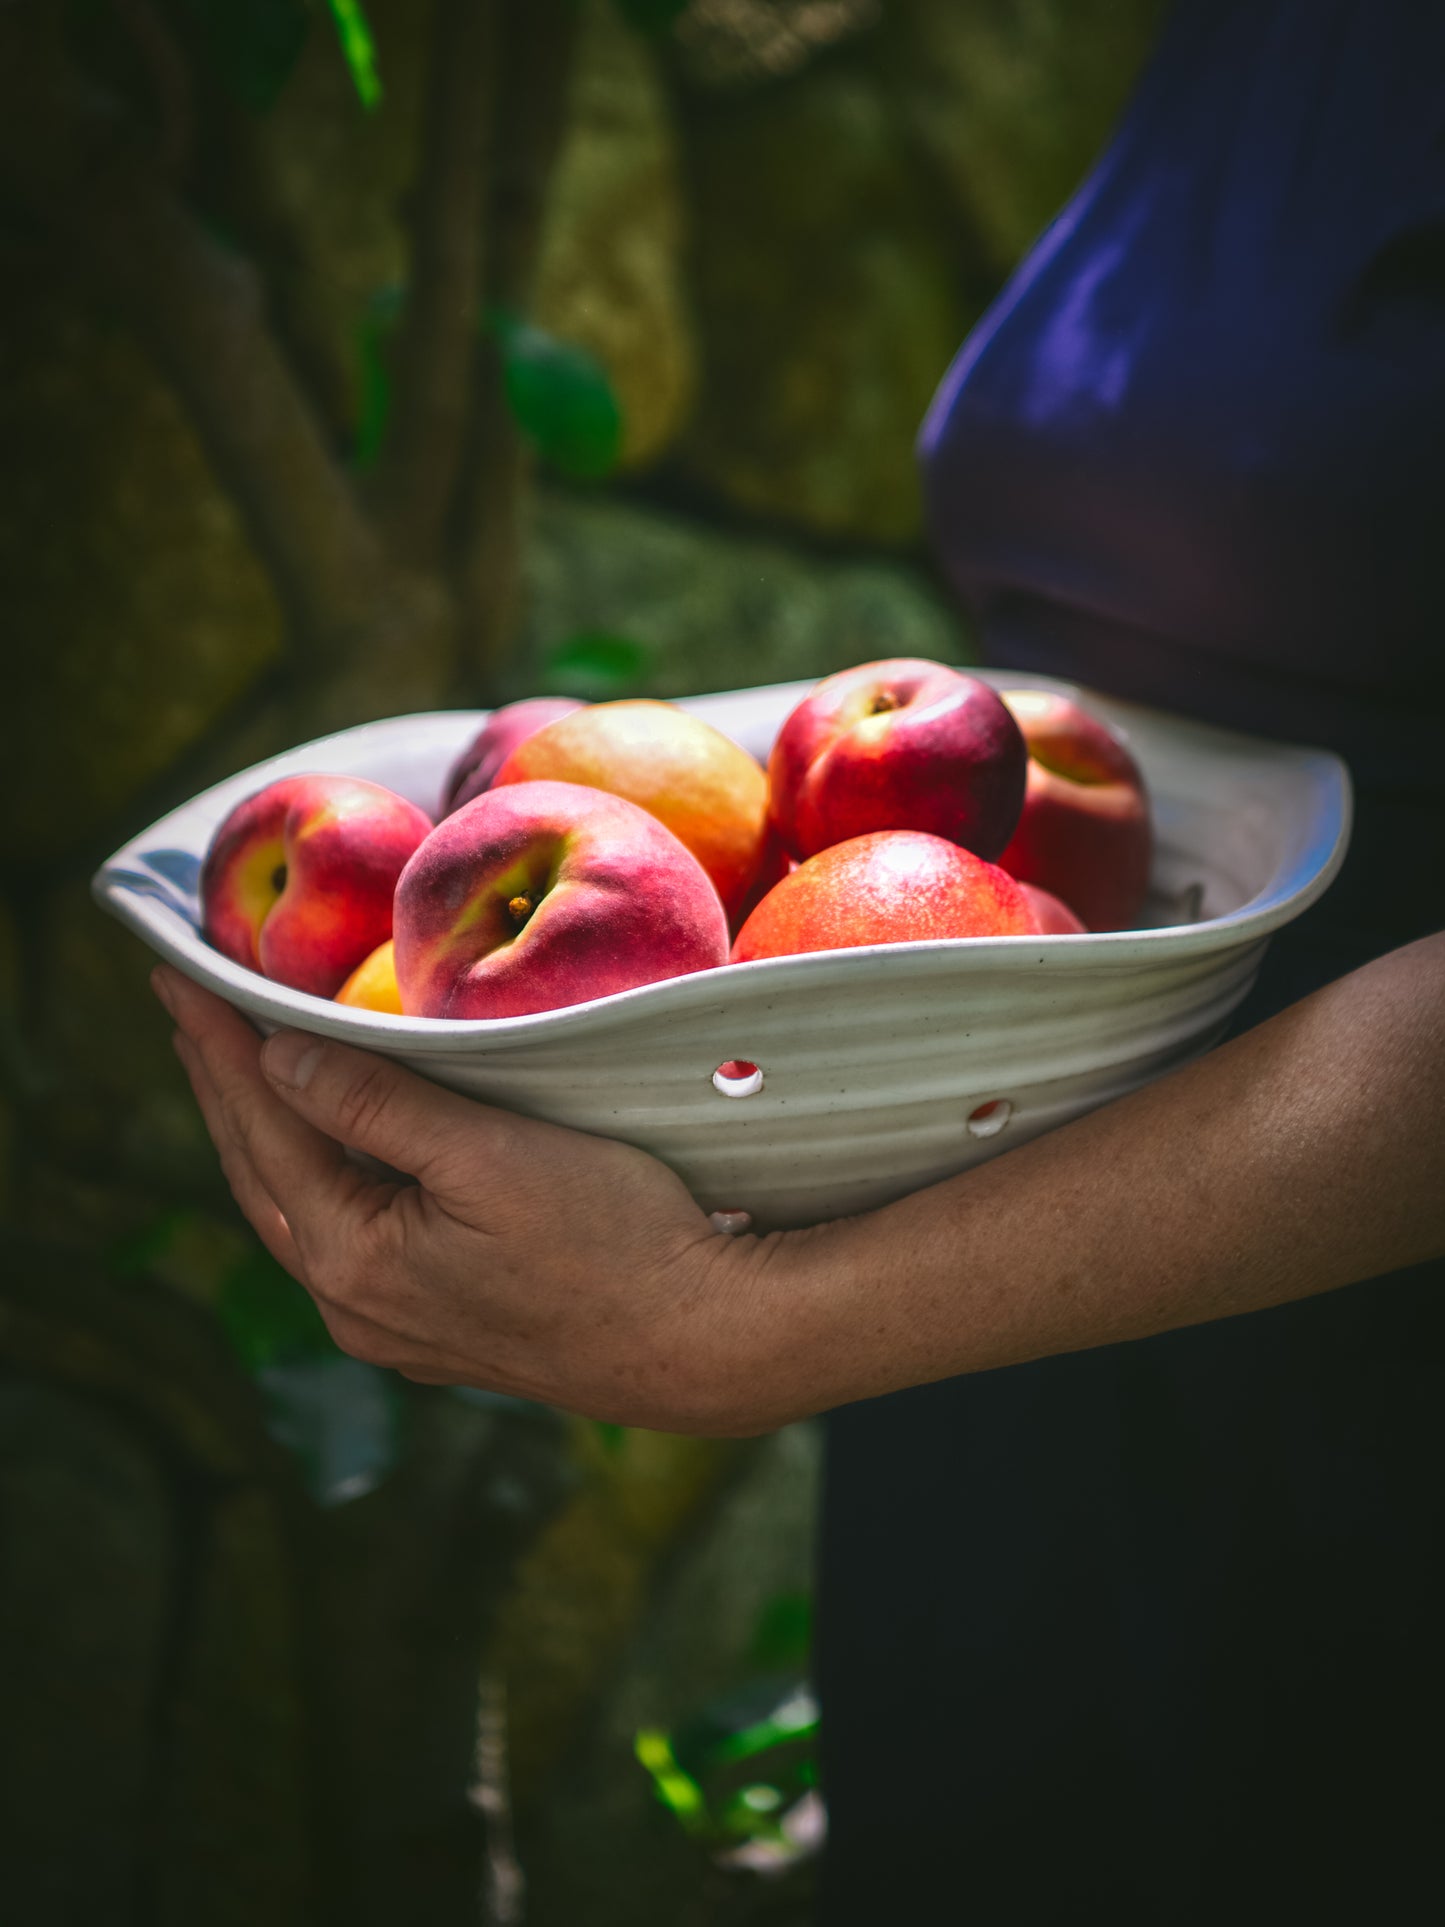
{"x":900,"y":744}
{"x":536,"y":895}
{"x":534,"y":1260}
{"x":709,"y":792}
{"x":895,"y":886}
{"x":298,"y":879}
{"x":1084,"y":831}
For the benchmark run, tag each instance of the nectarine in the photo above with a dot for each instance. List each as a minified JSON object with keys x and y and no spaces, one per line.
{"x":1084,"y":831}
{"x":372,"y":985}
{"x":539,"y":894}
{"x":298,"y":879}
{"x":892,"y":886}
{"x":706,"y":789}
{"x":902,"y":744}
{"x":476,"y":768}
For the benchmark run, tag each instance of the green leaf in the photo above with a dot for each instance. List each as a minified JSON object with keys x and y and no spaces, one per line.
{"x":595,"y":666}
{"x":253,"y":45}
{"x":342,"y":1419}
{"x":732,"y":1773}
{"x":650,"y":16}
{"x":794,"y":1718}
{"x":561,"y":398}
{"x":358,"y":49}
{"x":268,"y":1318}
{"x":677,"y":1790}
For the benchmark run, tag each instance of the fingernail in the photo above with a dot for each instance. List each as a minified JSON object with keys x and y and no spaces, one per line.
{"x":160,"y":984}
{"x":290,"y":1058}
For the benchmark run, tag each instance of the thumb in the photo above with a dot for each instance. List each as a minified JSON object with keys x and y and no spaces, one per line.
{"x":376,"y":1106}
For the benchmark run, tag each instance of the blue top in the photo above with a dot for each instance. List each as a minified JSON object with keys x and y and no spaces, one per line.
{"x":1195,"y":453}
{"x":1153,"y":1633}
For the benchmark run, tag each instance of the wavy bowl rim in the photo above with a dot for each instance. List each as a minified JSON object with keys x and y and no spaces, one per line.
{"x":1272,"y":907}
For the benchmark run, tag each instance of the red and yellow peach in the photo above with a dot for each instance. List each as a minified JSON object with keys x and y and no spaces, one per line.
{"x":298,"y":880}
{"x":540,"y":894}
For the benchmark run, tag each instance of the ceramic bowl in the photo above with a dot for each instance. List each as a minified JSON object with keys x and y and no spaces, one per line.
{"x":878,"y":1070}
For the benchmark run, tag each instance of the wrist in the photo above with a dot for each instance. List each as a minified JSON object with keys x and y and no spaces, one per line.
{"x":789,"y":1336}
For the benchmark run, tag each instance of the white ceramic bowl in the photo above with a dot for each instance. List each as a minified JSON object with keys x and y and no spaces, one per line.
{"x":874,"y":1061}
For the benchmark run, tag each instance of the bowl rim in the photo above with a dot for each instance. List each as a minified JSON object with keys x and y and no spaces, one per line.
{"x":122,"y":889}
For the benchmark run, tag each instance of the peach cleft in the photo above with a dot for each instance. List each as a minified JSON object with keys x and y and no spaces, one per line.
{"x":701,"y":784}
{"x":298,"y":880}
{"x":540,"y":894}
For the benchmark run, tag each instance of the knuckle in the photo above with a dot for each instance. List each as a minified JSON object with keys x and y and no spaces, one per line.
{"x":364,"y":1101}
{"x":239,"y":1182}
{"x":331,"y":1276}
{"x":235,"y":1114}
{"x":369,"y":1264}
{"x":351,"y":1267}
{"x":374,"y":1253}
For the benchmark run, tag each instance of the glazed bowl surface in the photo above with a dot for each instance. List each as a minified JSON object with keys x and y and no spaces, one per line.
{"x":881,"y":1069}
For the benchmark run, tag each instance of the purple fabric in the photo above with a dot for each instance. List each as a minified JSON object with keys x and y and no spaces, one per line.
{"x":1151,"y":1634}
{"x":1196,"y":451}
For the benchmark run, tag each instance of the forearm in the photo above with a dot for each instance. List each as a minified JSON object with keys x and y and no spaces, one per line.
{"x":1305,"y":1155}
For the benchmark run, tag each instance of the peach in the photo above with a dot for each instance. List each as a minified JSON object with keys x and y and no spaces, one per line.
{"x":901,"y":744}
{"x":372,"y":985}
{"x":1053,"y":917}
{"x":540,"y":894}
{"x":476,"y":768}
{"x":298,"y":880}
{"x":699,"y":783}
{"x":1084,"y":831}
{"x":891,"y":886}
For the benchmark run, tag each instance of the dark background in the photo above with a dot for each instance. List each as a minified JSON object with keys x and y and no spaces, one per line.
{"x":356,"y":360}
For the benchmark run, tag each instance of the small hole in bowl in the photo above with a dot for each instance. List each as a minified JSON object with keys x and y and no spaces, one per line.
{"x":987,"y":1120}
{"x":737,"y":1078}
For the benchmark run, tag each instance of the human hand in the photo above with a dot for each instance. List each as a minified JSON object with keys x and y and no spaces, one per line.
{"x":526,"y":1259}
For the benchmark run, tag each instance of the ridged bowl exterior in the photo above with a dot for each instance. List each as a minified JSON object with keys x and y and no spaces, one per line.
{"x":874,"y":1059}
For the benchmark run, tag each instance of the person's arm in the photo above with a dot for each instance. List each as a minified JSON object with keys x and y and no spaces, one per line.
{"x":1305,"y":1155}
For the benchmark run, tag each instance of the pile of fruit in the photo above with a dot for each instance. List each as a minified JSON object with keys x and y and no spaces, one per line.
{"x":584,"y":849}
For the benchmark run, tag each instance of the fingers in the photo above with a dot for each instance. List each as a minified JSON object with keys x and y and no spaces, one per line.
{"x":256,"y":1203}
{"x":375,"y":1105}
{"x":302,"y":1196}
{"x":278,"y":1165}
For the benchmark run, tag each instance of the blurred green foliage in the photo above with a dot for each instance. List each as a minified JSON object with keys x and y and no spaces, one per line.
{"x":340,"y":1418}
{"x":251,"y":45}
{"x":783,"y":1636}
{"x":651,"y":16}
{"x":358,"y":49}
{"x":561,"y":397}
{"x":736,"y":1770}
{"x":267,"y":1317}
{"x":373,"y":341}
{"x":595,"y":666}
